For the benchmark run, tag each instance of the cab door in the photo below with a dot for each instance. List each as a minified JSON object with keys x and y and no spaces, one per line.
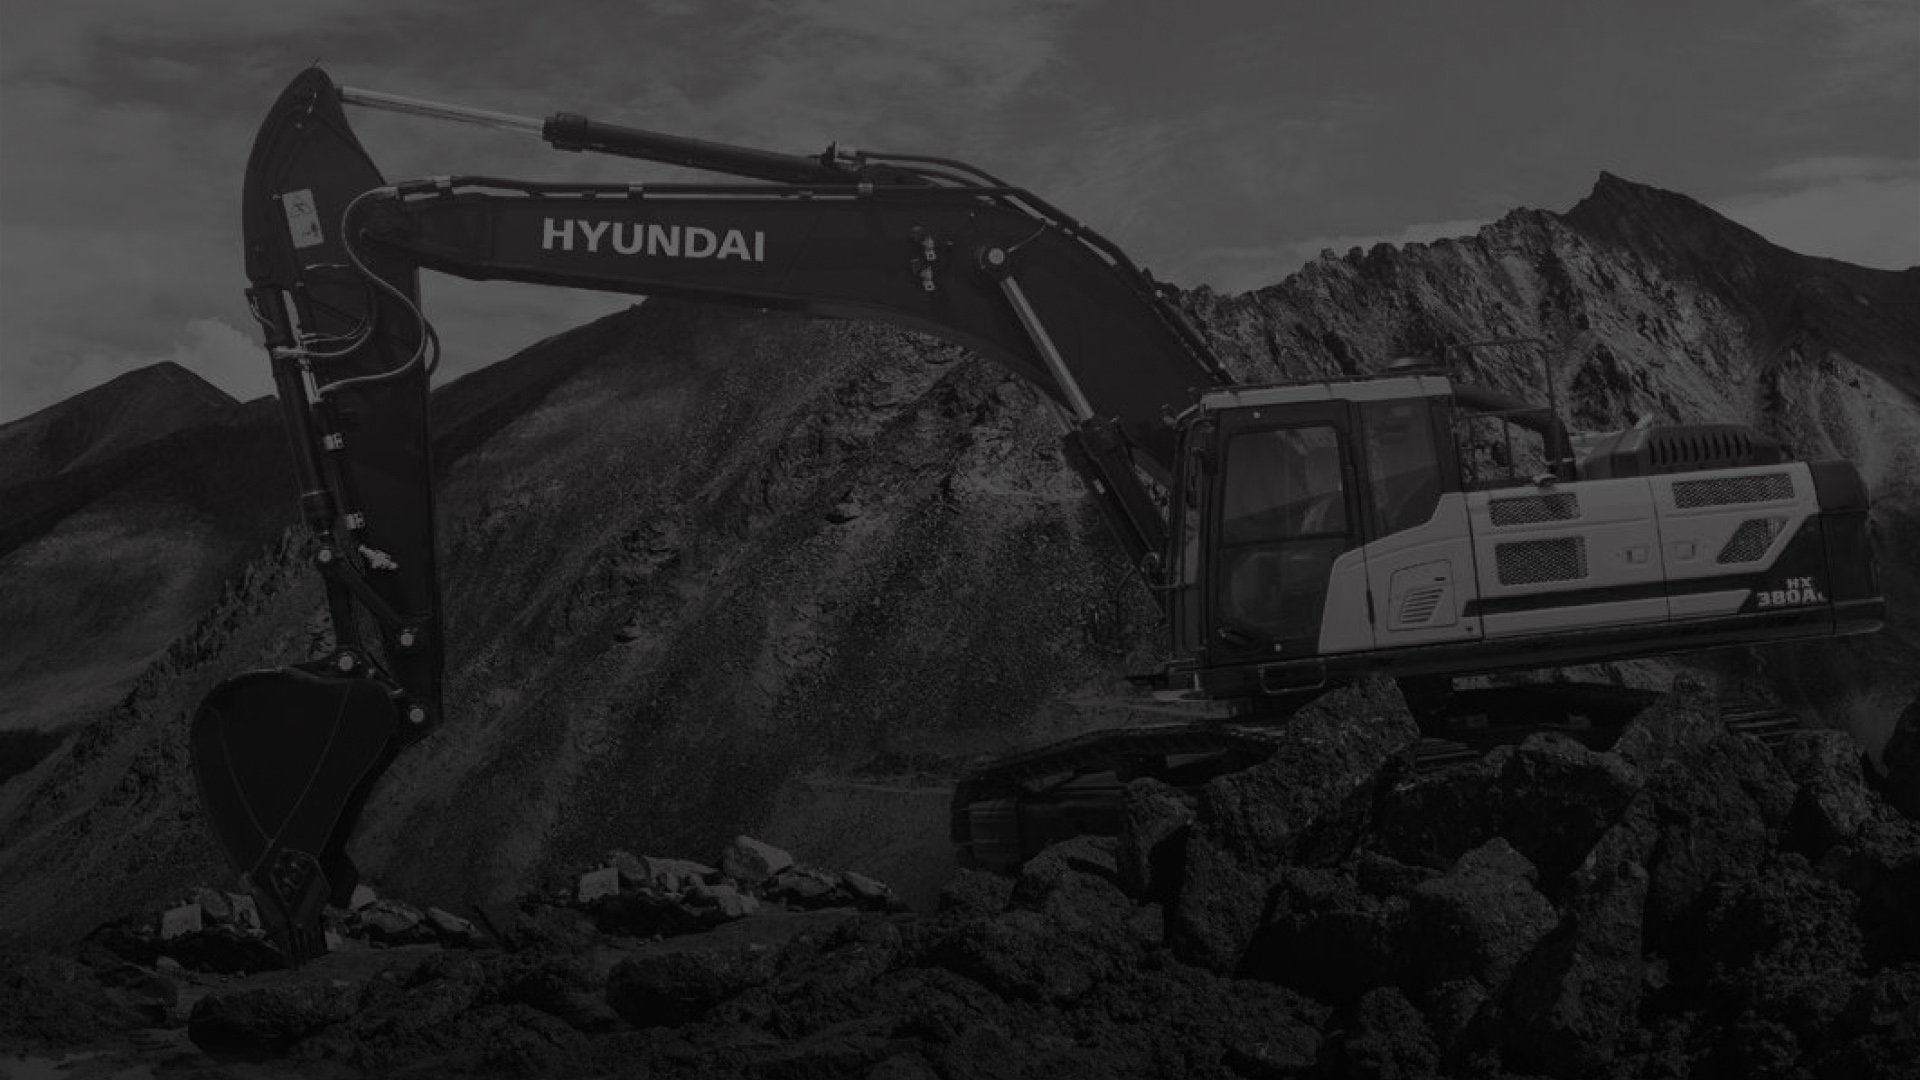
{"x":1419,"y":554}
{"x":1286,"y":511}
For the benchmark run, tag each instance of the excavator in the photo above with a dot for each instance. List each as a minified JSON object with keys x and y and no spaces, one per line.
{"x":1296,"y":536}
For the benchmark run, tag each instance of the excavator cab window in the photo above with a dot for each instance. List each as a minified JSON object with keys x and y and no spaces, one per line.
{"x":1284,"y":517}
{"x":1196,"y":455}
{"x":1498,"y":449}
{"x":1403,"y":471}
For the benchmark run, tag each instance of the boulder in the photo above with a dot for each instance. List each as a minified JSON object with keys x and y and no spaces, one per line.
{"x":805,"y":887}
{"x":976,"y":892}
{"x":392,"y":922}
{"x":1555,"y":797}
{"x":180,"y":921}
{"x":1571,"y":999}
{"x":214,"y":905}
{"x":1024,"y":956}
{"x":725,"y":901}
{"x":452,"y":929}
{"x":666,"y":875}
{"x":1075,"y":885}
{"x":595,"y":884}
{"x":1900,"y":763}
{"x":254,"y":1022}
{"x":871,"y":891}
{"x":1218,"y":910}
{"x":1432,"y":820}
{"x":1685,"y":720}
{"x":1478,"y":920}
{"x":1309,"y":802}
{"x":1714,"y":812}
{"x":1782,"y":945}
{"x":1155,"y":819}
{"x":1879,"y":1033}
{"x":667,"y":987}
{"x":567,"y":987}
{"x":47,"y":999}
{"x":751,"y":861}
{"x":225,"y":951}
{"x":644,"y":913}
{"x":1319,"y":933}
{"x":1387,"y":1039}
{"x":245,"y":913}
{"x":1881,"y":866}
{"x":1832,"y":800}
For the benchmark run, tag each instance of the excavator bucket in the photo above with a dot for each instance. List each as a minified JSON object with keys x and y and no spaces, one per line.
{"x":284,"y":760}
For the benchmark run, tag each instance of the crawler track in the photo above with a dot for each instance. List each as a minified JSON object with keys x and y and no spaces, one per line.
{"x":1007,"y":811}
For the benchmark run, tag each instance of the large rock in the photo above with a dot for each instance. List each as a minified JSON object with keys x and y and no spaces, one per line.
{"x":1833,"y":800}
{"x":1685,"y":720}
{"x":1555,"y":797}
{"x":1155,"y":820}
{"x":253,"y":1022}
{"x":1075,"y":884}
{"x":1550,"y":797}
{"x":1572,"y":998}
{"x":1322,"y":935}
{"x":666,"y":987}
{"x":1220,"y":907}
{"x":1716,"y":810}
{"x":1479,"y":919}
{"x":1388,"y":1039}
{"x":1881,"y":866}
{"x":750,"y":862}
{"x":1434,"y":819}
{"x":1024,"y":955}
{"x":1900,"y":762}
{"x":1309,"y":802}
{"x":58,"y":1001}
{"x":1879,"y":1033}
{"x":1781,"y":944}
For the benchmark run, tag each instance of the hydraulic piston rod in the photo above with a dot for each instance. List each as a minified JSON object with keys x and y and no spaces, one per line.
{"x":568,"y":131}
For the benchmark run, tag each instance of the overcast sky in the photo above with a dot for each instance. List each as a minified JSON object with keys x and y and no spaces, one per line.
{"x":1219,"y":143}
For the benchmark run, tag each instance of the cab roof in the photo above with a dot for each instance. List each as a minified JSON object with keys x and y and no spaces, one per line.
{"x":1385,"y":388}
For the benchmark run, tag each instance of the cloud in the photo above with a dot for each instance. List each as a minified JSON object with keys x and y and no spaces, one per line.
{"x":1877,"y":46}
{"x":1238,"y":269}
{"x":1863,"y":210}
{"x":62,"y":39}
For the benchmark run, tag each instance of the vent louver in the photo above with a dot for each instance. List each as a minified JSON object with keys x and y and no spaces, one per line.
{"x":1420,"y":604}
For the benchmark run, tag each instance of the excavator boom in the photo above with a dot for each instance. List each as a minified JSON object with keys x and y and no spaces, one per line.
{"x":285,"y":758}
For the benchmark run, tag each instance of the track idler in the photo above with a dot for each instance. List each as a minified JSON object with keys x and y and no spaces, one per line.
{"x":284,"y":761}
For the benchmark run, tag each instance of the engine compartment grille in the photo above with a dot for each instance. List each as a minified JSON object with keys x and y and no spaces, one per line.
{"x":1532,"y":509}
{"x":1530,"y":562}
{"x":1727,"y":490}
{"x":1751,"y":540}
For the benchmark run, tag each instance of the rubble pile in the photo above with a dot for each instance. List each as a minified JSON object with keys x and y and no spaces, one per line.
{"x":1690,"y":903}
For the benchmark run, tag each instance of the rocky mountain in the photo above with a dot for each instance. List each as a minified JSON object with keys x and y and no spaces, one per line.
{"x":713,"y":571}
{"x":124,"y":511}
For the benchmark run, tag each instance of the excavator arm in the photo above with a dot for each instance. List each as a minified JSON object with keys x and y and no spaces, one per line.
{"x":286,"y":758}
